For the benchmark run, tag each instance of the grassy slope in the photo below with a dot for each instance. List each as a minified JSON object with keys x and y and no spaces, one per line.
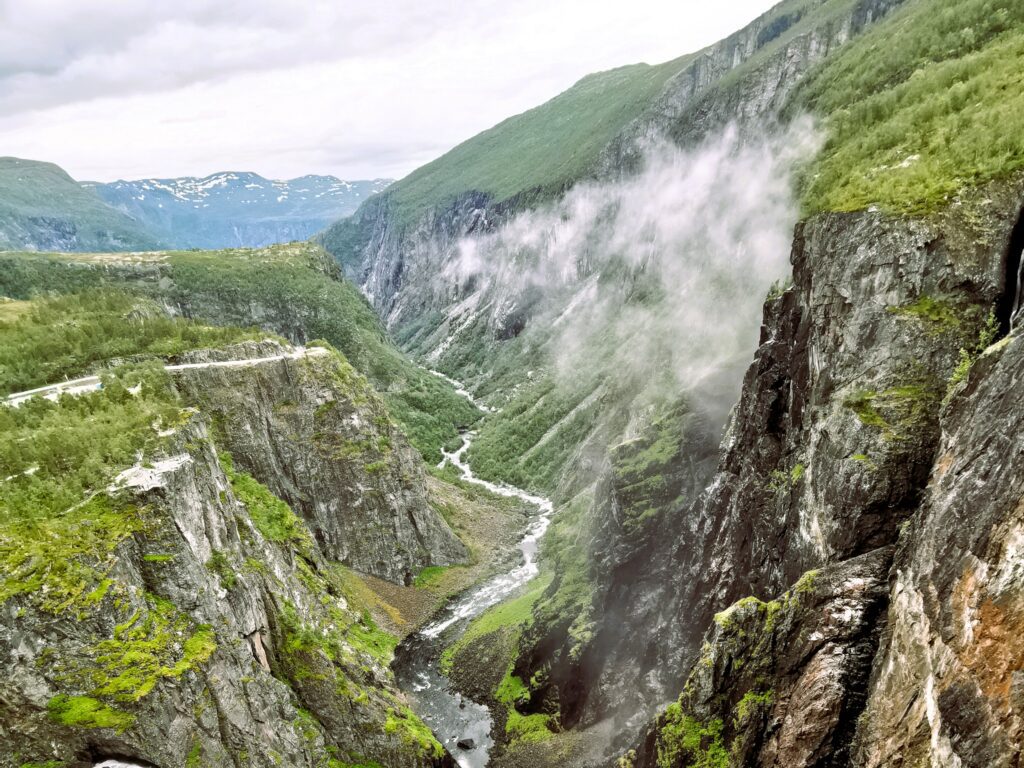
{"x":283,"y":289}
{"x":937,"y":79}
{"x":32,"y":190}
{"x":59,"y":338}
{"x":543,"y":149}
{"x":924,"y":105}
{"x":546,"y":149}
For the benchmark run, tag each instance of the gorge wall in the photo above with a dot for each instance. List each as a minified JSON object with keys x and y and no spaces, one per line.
{"x":214,"y":624}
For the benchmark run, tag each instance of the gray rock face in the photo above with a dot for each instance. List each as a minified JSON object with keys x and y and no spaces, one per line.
{"x":693,"y":103}
{"x":828,"y":448}
{"x":780,"y":683}
{"x":215,"y":631}
{"x":946,"y":686}
{"x":243,"y":704}
{"x":313,"y":431}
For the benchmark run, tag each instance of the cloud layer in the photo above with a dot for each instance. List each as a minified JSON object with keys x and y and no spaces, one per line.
{"x":125,"y":89}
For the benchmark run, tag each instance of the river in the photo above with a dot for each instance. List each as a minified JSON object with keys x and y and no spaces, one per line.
{"x":449,"y":715}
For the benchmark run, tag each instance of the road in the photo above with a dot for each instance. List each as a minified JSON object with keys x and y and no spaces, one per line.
{"x":92,"y":383}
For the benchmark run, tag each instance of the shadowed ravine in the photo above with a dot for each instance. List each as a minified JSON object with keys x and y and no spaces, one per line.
{"x":451,"y":716}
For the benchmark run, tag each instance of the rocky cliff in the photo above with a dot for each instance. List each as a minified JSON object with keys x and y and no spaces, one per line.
{"x":313,"y":431}
{"x":945,"y":686}
{"x":192,"y":617}
{"x":828,"y":456}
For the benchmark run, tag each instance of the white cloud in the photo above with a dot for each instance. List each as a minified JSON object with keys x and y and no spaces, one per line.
{"x":127,"y":88}
{"x":656,"y":281}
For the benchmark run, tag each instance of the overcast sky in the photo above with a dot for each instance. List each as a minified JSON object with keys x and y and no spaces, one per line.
{"x":361,"y":89}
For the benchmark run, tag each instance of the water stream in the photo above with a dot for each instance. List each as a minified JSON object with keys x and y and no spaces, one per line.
{"x":452,"y":717}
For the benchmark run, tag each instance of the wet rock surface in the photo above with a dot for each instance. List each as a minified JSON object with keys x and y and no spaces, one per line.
{"x":780,"y":683}
{"x":826,"y":454}
{"x":946,"y":685}
{"x":829,"y":454}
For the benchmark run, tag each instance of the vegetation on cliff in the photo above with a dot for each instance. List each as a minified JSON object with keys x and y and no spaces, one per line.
{"x":291,"y":290}
{"x":62,"y":337}
{"x":925,"y":104}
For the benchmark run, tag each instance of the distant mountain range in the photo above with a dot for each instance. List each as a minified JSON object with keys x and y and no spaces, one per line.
{"x":230,"y":209}
{"x":43,"y":209}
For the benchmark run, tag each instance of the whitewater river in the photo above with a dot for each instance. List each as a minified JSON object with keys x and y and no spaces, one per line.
{"x":451,"y":716}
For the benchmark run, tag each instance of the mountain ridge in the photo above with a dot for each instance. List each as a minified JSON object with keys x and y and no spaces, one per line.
{"x":42,"y":208}
{"x":236,"y":208}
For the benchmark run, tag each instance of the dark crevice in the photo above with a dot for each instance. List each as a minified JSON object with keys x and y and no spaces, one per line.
{"x":1010,"y":301}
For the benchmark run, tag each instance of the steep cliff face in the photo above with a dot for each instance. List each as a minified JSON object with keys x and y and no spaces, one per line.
{"x":746,"y":76}
{"x":191,"y":617}
{"x":828,"y":457}
{"x":313,"y":431}
{"x":779,"y":683}
{"x":946,"y":685}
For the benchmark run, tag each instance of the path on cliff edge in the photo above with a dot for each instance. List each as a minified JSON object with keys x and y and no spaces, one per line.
{"x":92,"y":383}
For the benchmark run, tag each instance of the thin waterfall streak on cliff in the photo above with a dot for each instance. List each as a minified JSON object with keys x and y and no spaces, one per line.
{"x":683,"y":254}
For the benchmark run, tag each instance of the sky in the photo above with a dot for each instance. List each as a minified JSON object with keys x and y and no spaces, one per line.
{"x":112,"y":89}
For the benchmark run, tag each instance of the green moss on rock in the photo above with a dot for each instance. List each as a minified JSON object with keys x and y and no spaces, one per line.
{"x":87,"y":712}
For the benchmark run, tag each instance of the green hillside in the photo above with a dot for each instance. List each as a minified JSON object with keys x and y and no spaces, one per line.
{"x":544,"y":149}
{"x":292,"y":290}
{"x":926,"y":103}
{"x":923,"y":103}
{"x":43,"y":208}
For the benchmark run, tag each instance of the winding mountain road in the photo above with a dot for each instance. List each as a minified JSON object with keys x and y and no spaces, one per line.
{"x":92,"y":383}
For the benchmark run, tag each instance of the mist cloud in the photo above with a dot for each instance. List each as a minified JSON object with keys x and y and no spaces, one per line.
{"x":658,"y":281}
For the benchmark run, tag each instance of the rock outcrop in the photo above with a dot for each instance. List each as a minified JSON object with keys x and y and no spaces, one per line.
{"x":946,"y":686}
{"x":779,"y":683}
{"x":313,"y":431}
{"x":828,"y":457}
{"x":200,"y":621}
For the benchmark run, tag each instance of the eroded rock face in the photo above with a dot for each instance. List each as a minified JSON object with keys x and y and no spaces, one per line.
{"x":780,"y":683}
{"x":692,"y":105}
{"x":828,"y":449}
{"x":196,"y":641}
{"x":627,"y":537}
{"x":313,"y":431}
{"x":946,"y":687}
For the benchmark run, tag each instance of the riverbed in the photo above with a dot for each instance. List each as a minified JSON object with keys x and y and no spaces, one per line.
{"x":451,"y":716}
